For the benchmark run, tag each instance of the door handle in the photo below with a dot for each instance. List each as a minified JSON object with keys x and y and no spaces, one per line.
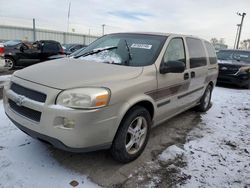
{"x":192,"y":74}
{"x":186,"y":76}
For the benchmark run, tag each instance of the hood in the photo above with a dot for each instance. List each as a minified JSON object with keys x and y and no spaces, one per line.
{"x":70,"y":73}
{"x":233,"y":62}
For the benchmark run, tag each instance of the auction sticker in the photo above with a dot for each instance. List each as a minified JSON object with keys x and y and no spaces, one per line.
{"x":143,"y":46}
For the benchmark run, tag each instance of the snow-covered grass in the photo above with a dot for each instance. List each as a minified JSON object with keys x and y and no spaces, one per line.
{"x":217,"y":153}
{"x":25,"y":162}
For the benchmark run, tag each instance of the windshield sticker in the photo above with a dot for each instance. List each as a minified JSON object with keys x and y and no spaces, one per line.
{"x":143,"y":46}
{"x":241,"y":55}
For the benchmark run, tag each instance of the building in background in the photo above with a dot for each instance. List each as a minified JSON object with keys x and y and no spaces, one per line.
{"x":27,"y":34}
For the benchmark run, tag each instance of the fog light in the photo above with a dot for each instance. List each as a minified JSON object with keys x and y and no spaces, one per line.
{"x":68,"y":123}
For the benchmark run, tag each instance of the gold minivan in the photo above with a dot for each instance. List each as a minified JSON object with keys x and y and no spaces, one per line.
{"x":113,"y":92}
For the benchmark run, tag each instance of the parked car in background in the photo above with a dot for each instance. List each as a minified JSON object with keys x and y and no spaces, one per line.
{"x":70,"y":48}
{"x":20,"y":53}
{"x":75,"y":53}
{"x":109,"y":96}
{"x":234,"y":67}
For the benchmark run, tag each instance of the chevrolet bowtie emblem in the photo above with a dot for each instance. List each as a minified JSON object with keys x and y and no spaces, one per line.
{"x":20,"y":100}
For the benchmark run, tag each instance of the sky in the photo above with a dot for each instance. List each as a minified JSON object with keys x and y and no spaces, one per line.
{"x":203,"y":18}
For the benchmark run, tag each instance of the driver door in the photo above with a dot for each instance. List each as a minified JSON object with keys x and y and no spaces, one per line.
{"x":170,"y":85}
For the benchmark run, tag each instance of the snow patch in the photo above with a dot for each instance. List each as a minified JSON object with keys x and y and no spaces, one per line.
{"x":171,"y":153}
{"x":104,"y":57}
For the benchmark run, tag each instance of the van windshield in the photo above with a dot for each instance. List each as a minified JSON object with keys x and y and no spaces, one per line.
{"x":124,"y":49}
{"x":234,"y":55}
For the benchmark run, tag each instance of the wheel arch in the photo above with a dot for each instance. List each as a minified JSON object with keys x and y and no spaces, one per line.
{"x":147,"y":103}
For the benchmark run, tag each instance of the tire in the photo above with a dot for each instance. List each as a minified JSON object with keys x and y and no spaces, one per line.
{"x":9,"y":63}
{"x":205,"y":101}
{"x":132,"y":135}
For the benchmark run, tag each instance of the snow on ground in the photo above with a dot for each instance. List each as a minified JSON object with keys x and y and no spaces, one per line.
{"x":25,"y":162}
{"x":217,"y":153}
{"x":171,"y":153}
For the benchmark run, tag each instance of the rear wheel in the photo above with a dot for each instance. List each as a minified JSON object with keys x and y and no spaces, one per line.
{"x":205,"y":100}
{"x":132,"y":135}
{"x":9,"y":63}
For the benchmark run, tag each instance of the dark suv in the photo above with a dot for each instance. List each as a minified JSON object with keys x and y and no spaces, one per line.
{"x":234,"y":67}
{"x":18,"y":53}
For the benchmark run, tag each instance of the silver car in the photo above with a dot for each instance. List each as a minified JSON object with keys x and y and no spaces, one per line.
{"x":111,"y":94}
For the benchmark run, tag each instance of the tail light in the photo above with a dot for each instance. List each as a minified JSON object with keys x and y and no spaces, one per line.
{"x":61,"y":51}
{"x":1,"y":50}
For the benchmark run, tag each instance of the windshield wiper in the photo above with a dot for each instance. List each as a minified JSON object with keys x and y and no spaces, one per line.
{"x":129,"y":53}
{"x":96,"y":51}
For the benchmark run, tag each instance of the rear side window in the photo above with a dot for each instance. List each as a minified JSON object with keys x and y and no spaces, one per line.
{"x":50,"y":47}
{"x":197,"y":53}
{"x":211,"y":53}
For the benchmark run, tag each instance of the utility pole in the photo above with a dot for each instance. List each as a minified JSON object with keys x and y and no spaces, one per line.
{"x":103,"y":25}
{"x":241,"y":24}
{"x":68,"y":16}
{"x":67,"y":34}
{"x":236,"y":37}
{"x":34,"y":29}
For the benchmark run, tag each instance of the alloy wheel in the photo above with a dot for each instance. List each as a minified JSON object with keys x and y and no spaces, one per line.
{"x":136,"y":134}
{"x":9,"y":63}
{"x":207,"y":98}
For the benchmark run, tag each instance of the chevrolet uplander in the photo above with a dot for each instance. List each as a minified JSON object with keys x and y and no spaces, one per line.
{"x":113,"y":92}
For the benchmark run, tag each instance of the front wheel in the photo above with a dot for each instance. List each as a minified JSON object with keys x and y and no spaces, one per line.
{"x":205,"y":100}
{"x":132,"y":135}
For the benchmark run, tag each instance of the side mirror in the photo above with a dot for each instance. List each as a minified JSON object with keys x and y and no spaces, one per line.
{"x":172,"y":67}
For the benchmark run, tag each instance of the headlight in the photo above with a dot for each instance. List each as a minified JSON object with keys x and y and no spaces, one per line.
{"x":84,"y":98}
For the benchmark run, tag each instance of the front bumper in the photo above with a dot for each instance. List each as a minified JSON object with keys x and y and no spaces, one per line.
{"x":92,"y":130}
{"x":240,"y":80}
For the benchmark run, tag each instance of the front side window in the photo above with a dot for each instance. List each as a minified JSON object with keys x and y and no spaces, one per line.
{"x":175,"y":51}
{"x":197,"y":53}
{"x":124,"y":49}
